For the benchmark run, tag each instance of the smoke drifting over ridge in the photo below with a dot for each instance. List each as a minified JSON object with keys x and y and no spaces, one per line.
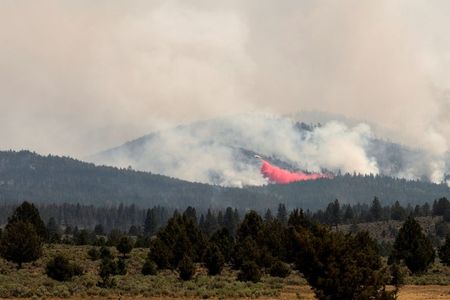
{"x":81,"y":76}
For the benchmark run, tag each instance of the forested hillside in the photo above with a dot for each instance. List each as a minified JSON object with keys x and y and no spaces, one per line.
{"x":50,"y":179}
{"x":27,"y":176}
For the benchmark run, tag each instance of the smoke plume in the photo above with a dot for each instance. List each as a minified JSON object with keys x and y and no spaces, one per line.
{"x":78,"y":77}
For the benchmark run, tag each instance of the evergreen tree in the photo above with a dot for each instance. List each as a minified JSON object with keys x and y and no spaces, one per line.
{"x":210,"y":224}
{"x":108,"y":268}
{"x":191,"y":214}
{"x":413,"y":247}
{"x":59,"y":268}
{"x":27,"y":212}
{"x":333,"y":213}
{"x":282,"y":215}
{"x":20,"y":243}
{"x":150,"y":223}
{"x":98,"y":229}
{"x":186,"y":268}
{"x":398,"y":213}
{"x":249,"y":271}
{"x":444,"y":252}
{"x":229,"y":221}
{"x":149,"y":267}
{"x":53,"y":232}
{"x":348,"y":214}
{"x":376,"y":210}
{"x":214,"y":260}
{"x":224,"y":241}
{"x":268,"y":216}
{"x":114,"y":237}
{"x":124,"y":246}
{"x":441,"y":206}
{"x":339,"y":266}
{"x":426,"y":209}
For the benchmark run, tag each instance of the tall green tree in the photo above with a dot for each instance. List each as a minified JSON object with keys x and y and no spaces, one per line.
{"x":413,"y":247}
{"x":150,"y":223}
{"x":20,"y":243}
{"x":27,"y":212}
{"x":282,"y":214}
{"x":444,"y":251}
{"x":339,"y":266}
{"x":376,"y":210}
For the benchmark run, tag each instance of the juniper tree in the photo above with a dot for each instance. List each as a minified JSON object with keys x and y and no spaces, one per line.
{"x":444,"y":251}
{"x":20,"y":243}
{"x":27,"y":212}
{"x":413,"y":247}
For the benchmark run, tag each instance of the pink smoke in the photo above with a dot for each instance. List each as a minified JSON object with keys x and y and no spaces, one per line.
{"x":281,"y":176}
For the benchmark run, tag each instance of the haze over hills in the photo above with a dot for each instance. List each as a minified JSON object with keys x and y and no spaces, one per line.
{"x":226,"y":147}
{"x":50,"y":179}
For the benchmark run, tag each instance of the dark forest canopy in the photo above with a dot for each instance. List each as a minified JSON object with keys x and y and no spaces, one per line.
{"x":51,"y":179}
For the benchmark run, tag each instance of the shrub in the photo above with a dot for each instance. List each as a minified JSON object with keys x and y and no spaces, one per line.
{"x":94,"y":253}
{"x":105,"y":253}
{"x":279,"y":269}
{"x":59,"y":268}
{"x":186,"y":268}
{"x":125,"y":245}
{"x":121,"y":267}
{"x":214,"y":260}
{"x":149,"y":267}
{"x":249,"y":272}
{"x":397,"y":275}
{"x":108,"y":268}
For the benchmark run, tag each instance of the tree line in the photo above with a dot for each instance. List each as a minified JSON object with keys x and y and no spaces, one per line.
{"x":73,"y":219}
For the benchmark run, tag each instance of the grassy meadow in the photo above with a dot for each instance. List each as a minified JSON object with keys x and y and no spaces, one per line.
{"x":31,"y":281}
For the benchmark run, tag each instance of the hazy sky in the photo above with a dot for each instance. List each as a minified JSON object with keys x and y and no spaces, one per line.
{"x":79,"y":76}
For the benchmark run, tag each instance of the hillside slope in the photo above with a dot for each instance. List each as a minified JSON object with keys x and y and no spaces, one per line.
{"x":226,"y":147}
{"x":28,"y":176}
{"x":48,"y":179}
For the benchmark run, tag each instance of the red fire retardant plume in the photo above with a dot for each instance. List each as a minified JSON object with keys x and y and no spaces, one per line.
{"x":281,"y":176}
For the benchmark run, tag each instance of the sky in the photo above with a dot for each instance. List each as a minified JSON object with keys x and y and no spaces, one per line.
{"x":77,"y":77}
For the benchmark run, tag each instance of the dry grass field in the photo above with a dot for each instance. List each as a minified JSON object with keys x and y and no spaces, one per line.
{"x":31,"y":282}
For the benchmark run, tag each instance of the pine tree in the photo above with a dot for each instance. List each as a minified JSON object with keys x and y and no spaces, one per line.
{"x":413,"y":246}
{"x":398,"y":213}
{"x":348,"y":214}
{"x":98,"y":229}
{"x":20,"y":243}
{"x":53,"y":232}
{"x":186,"y":268}
{"x":124,"y":246}
{"x":268,"y":216}
{"x":444,"y":252}
{"x":214,"y":260}
{"x":282,"y":215}
{"x":27,"y":212}
{"x":150,"y":224}
{"x":376,"y":210}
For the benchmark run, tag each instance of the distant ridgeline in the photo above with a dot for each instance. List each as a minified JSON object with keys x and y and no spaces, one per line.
{"x":51,"y":179}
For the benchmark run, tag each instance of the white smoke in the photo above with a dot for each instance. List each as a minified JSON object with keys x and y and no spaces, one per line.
{"x":210,"y":151}
{"x":81,"y":76}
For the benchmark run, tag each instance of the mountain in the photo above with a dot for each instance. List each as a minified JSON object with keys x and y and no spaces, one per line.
{"x":221,"y":151}
{"x":51,"y":179}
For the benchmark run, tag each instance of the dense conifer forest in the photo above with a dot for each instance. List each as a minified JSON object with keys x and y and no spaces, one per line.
{"x":51,"y":179}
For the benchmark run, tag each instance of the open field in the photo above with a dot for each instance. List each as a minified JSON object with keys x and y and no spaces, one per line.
{"x":31,"y":282}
